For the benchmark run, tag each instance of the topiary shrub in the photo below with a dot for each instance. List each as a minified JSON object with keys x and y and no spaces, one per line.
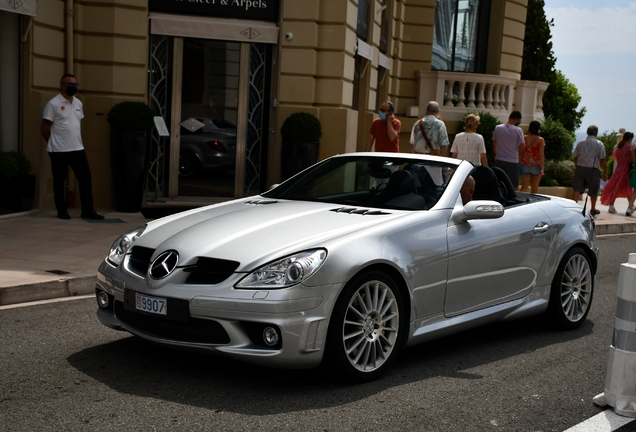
{"x":13,"y":164}
{"x":131,"y":116}
{"x":560,"y":172}
{"x":302,"y":127}
{"x":609,"y":142}
{"x":487,"y":125}
{"x":558,"y":140}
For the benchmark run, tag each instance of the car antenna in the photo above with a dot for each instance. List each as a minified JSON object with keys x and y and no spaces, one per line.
{"x":585,"y":205}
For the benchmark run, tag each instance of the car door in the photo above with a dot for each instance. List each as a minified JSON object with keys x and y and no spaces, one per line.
{"x":497,"y":260}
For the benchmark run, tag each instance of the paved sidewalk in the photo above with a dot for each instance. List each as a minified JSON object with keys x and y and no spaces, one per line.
{"x":43,"y":257}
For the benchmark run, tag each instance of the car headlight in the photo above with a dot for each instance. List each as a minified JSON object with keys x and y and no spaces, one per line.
{"x":121,"y":246}
{"x":285,"y":272}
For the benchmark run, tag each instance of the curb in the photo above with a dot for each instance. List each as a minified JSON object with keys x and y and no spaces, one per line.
{"x":66,"y":287}
{"x":615,"y":228}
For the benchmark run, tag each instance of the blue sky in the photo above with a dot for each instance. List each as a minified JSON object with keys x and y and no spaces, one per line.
{"x":595,"y":46}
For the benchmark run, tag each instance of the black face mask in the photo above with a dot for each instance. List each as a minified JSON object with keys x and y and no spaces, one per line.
{"x":71,"y":90}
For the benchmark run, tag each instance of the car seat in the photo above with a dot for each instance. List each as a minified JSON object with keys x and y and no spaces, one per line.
{"x":400,"y":183}
{"x":487,"y":185}
{"x":505,"y":185}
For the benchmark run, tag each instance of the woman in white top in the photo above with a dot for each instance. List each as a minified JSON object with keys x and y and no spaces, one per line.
{"x":470,"y":145}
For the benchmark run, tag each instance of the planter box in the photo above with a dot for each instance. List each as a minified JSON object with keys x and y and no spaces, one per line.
{"x":557,"y":191}
{"x":16,"y":193}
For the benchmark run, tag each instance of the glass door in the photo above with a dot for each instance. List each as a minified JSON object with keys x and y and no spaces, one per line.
{"x":213,"y":94}
{"x":209,"y":118}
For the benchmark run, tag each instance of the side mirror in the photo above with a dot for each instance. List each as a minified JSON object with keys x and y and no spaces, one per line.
{"x":478,"y":210}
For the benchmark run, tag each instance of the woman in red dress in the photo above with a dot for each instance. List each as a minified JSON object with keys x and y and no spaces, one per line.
{"x":618,"y":184}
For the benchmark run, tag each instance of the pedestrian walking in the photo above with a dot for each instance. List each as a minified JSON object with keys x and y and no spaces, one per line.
{"x":469,"y":145}
{"x":589,"y":157}
{"x":61,"y":129}
{"x":532,"y":161}
{"x":385,"y":130}
{"x":507,"y":143}
{"x":618,"y":185}
{"x":632,"y":184}
{"x":429,"y":135}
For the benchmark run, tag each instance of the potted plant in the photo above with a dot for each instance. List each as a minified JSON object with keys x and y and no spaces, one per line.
{"x":130,"y":123}
{"x":301,"y":134}
{"x":17,"y":187}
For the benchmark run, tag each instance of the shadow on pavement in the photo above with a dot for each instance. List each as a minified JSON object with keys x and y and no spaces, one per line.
{"x":133,"y":366}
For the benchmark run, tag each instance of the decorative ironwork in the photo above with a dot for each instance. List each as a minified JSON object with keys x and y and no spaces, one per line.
{"x":159,"y":100}
{"x":255,"y":119}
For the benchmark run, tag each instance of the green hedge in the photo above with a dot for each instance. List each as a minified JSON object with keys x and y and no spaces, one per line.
{"x":558,"y":140}
{"x":131,"y":116}
{"x":13,"y":163}
{"x":558,"y":173}
{"x":301,"y":126}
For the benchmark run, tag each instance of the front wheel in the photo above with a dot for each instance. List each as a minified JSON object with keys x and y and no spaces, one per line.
{"x":572,"y":290}
{"x":366,"y":327}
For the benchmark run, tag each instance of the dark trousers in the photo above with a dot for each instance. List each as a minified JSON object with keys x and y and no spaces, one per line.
{"x":512,"y":169}
{"x":60,"y":161}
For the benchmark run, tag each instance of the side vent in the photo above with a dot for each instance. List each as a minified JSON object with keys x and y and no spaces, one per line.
{"x":364,"y":212}
{"x":261,"y":201}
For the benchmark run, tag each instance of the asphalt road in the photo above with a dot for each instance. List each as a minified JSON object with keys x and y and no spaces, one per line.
{"x":61,"y":370}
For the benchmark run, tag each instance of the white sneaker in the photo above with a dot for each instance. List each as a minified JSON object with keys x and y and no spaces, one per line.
{"x":630,"y":210}
{"x":612,"y":209}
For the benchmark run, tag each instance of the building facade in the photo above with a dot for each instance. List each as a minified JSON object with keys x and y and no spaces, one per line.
{"x":223,"y":75}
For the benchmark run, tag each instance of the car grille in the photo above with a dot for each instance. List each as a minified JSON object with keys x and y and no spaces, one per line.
{"x":210,"y":271}
{"x":193,"y":330}
{"x":139,"y":260}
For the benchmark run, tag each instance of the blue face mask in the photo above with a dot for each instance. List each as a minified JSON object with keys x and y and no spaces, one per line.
{"x":382,"y":116}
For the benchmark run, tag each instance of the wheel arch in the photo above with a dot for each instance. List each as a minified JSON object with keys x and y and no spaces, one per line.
{"x":402,"y":286}
{"x":588,"y":251}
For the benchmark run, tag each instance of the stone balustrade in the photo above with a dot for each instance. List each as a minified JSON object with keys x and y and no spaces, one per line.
{"x":459,"y":93}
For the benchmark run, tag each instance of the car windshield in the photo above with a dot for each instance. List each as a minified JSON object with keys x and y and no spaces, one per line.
{"x":370,"y":181}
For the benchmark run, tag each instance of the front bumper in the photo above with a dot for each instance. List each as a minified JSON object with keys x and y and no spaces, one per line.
{"x":221,"y":319}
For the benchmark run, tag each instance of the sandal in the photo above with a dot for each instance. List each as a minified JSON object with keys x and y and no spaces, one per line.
{"x":595,"y":212}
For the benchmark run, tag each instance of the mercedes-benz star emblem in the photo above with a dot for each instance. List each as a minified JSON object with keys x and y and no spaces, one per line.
{"x":163,"y":265}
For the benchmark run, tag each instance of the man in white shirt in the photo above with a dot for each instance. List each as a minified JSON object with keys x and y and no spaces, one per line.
{"x":61,"y":129}
{"x":589,"y":158}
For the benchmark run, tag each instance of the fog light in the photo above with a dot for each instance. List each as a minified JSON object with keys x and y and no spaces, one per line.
{"x":102,"y":300}
{"x":270,"y":336}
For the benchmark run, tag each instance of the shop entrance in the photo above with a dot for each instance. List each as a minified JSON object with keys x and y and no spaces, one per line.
{"x":211,"y":94}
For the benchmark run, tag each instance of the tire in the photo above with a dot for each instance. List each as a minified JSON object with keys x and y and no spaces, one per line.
{"x":572,"y":290}
{"x":366,"y":326}
{"x":189,"y":165}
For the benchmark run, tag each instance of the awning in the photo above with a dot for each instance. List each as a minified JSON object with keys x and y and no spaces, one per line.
{"x":25,"y":7}
{"x":213,"y":28}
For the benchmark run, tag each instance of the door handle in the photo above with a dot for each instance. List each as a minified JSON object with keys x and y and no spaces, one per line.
{"x":541,"y":228}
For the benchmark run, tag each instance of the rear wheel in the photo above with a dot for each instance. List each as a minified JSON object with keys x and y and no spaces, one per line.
{"x":572,"y":290}
{"x":366,"y":327}
{"x":189,"y":165}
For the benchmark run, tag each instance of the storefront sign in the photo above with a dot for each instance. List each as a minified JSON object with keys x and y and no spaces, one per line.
{"x":26,"y":7}
{"x":262,"y":10}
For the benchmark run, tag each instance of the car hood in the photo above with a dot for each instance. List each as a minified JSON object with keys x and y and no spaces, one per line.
{"x":255,"y":231}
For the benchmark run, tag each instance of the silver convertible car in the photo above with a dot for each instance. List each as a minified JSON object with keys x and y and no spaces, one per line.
{"x":349,"y":261}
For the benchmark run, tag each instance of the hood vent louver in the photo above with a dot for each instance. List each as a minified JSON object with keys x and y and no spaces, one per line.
{"x":261,"y":201}
{"x":364,"y":212}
